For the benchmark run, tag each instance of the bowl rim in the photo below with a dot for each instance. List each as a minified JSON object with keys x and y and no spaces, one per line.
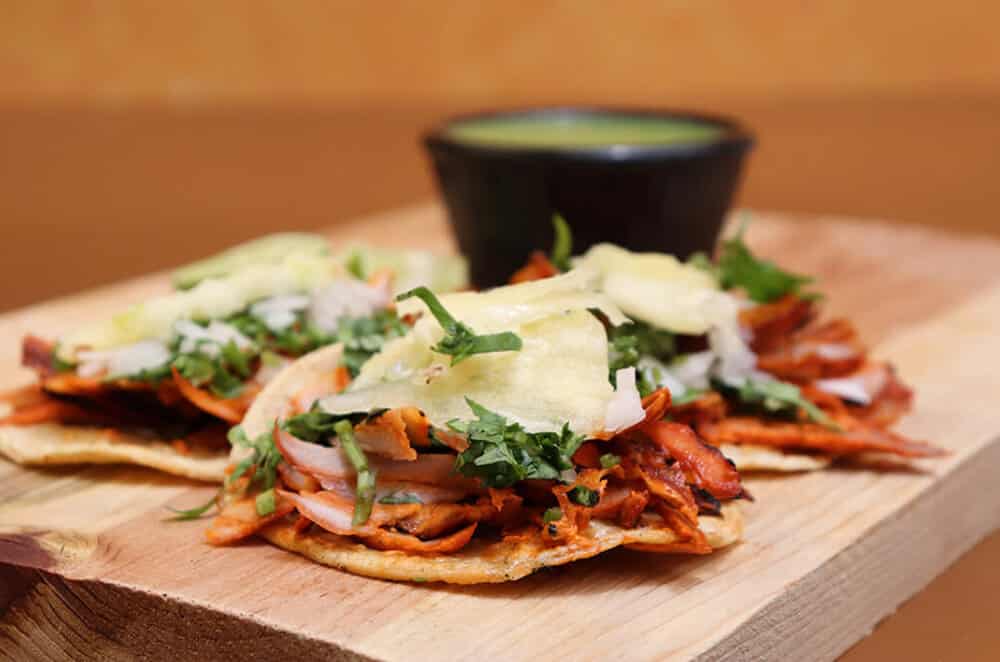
{"x":735,"y":136}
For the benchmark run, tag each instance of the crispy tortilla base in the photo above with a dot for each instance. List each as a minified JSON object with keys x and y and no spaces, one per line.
{"x":483,"y":562}
{"x":750,"y":457}
{"x":51,"y":444}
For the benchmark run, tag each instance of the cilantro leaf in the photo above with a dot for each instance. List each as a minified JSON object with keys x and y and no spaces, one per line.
{"x":363,"y":337}
{"x":778,"y":397}
{"x":762,"y":280}
{"x":562,"y":247}
{"x":630,"y":342}
{"x":460,"y":342}
{"x":502,"y":453}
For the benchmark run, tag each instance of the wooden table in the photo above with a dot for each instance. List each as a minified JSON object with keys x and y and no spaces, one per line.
{"x":94,"y":196}
{"x":87,"y":567}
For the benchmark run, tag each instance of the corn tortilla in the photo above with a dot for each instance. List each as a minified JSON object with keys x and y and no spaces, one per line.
{"x":751,"y":457}
{"x":484,"y":562}
{"x":54,"y":444}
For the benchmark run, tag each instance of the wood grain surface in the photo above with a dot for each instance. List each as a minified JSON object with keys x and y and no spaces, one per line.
{"x":88,"y":569}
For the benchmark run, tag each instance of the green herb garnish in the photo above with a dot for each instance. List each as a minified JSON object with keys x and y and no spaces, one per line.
{"x":363,"y":337}
{"x":632,"y":341}
{"x":460,"y":341}
{"x":399,"y":497}
{"x":265,"y":502}
{"x":355,"y":265}
{"x":780,"y":398}
{"x":609,"y":460}
{"x":584,"y":496}
{"x":562,"y":246}
{"x":364,"y":492}
{"x":552,"y":515}
{"x":194,"y":513}
{"x":501,"y":453}
{"x":762,"y":280}
{"x":687,"y":397}
{"x":264,"y":461}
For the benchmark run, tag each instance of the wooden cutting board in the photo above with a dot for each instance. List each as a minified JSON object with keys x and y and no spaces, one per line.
{"x":89,"y":570}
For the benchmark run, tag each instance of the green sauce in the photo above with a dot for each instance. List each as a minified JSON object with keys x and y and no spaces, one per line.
{"x":581,"y":131}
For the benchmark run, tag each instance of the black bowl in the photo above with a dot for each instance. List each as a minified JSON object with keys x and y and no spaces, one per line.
{"x":669,"y":198}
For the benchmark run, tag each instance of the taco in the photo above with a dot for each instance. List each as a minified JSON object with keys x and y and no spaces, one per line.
{"x":161,"y":383}
{"x":486,"y":443}
{"x":750,"y":367}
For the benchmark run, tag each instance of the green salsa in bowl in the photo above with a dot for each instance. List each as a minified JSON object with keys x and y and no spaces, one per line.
{"x":646,"y":180}
{"x":581,"y":131}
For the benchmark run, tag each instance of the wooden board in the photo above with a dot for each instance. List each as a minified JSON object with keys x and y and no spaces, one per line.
{"x":87,"y":569}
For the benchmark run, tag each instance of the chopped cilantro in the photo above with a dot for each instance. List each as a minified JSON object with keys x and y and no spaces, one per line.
{"x":552,"y":515}
{"x":315,"y":425}
{"x":399,"y":497}
{"x":224,"y":375}
{"x":501,"y":453}
{"x":197,"y":512}
{"x":687,"y":397}
{"x":264,"y":458}
{"x":762,"y":280}
{"x":778,"y":398}
{"x":609,"y":460}
{"x":363,"y":337}
{"x":364,"y":492}
{"x":355,"y":264}
{"x":265,"y":502}
{"x":460,"y":341}
{"x":58,"y":365}
{"x":562,"y":247}
{"x":632,"y":341}
{"x":584,"y":496}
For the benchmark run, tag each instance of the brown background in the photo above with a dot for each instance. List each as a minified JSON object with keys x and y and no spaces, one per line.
{"x":135,"y":135}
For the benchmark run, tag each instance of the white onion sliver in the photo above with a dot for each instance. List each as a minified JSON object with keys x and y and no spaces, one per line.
{"x":693,"y":371}
{"x":209,"y":339}
{"x":279,"y":313}
{"x":123,"y":361}
{"x":852,"y":389}
{"x":346,"y":298}
{"x":625,"y":407}
{"x":833,"y":351}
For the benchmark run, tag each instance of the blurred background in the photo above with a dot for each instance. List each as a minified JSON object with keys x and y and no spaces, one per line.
{"x":136,"y":135}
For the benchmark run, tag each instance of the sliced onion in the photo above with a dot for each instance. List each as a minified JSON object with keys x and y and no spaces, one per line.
{"x":330,"y":511}
{"x":331,"y":463}
{"x":426,"y":494}
{"x":347,"y":298}
{"x":828,"y":351}
{"x":123,"y":361}
{"x":625,"y":407}
{"x":860,"y":388}
{"x":209,"y":339}
{"x":279,"y":313}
